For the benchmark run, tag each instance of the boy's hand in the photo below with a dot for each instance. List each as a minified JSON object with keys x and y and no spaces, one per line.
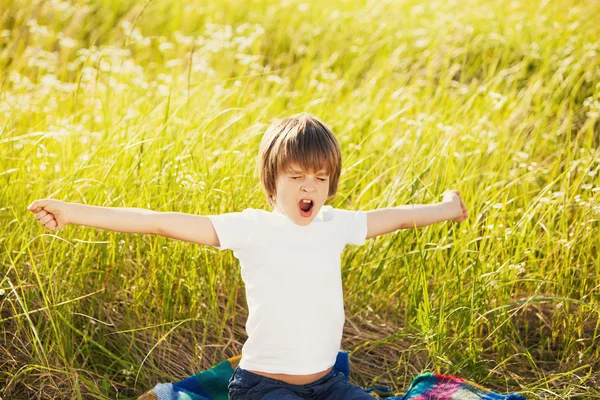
{"x":456,"y":205}
{"x":53,"y":214}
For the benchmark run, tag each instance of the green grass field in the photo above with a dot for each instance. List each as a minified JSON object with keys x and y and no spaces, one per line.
{"x":162,"y":104}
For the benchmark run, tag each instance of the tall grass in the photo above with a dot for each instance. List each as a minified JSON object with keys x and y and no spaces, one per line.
{"x":161,"y":105}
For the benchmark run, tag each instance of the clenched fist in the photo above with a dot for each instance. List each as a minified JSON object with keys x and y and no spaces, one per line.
{"x":459,"y":210}
{"x":53,"y":214}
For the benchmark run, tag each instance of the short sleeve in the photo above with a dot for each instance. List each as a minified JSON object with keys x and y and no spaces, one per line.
{"x":233,"y":229}
{"x":353,"y":225}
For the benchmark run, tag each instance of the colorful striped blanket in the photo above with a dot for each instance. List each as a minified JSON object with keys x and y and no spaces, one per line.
{"x":212,"y":385}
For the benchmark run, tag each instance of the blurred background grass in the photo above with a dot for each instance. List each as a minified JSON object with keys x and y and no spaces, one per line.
{"x":162,"y":105}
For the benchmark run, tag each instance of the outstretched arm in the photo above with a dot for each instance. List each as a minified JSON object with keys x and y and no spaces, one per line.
{"x":56,"y":214}
{"x":386,"y":220}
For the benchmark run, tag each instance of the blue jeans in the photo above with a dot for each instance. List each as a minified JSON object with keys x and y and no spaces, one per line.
{"x":246,"y":385}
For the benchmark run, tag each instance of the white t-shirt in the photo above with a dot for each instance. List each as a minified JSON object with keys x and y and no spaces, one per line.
{"x":293,"y":285}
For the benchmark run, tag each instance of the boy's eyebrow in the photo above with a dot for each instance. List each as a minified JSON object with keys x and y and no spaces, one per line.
{"x":300,"y":172}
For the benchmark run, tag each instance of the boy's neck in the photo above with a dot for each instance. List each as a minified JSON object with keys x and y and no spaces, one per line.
{"x":277,"y":210}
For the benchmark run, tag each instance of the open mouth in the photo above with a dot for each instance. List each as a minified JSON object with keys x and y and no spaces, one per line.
{"x":306,"y":207}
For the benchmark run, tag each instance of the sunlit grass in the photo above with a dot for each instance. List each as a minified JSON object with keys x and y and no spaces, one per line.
{"x":162,"y":105}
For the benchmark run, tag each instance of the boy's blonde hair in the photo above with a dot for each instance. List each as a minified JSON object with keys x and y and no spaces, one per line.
{"x":300,"y":139}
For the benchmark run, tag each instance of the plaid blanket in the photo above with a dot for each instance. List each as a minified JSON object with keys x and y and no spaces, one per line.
{"x":212,"y":385}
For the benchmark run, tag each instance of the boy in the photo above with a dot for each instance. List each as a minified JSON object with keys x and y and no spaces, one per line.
{"x":289,"y":257}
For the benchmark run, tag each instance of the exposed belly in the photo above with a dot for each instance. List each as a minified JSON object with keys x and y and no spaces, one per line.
{"x":295,"y":379}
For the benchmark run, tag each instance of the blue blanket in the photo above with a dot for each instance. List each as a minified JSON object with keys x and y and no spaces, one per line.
{"x":212,"y":385}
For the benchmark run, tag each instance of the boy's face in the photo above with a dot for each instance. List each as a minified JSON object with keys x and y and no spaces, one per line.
{"x":296,"y":185}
